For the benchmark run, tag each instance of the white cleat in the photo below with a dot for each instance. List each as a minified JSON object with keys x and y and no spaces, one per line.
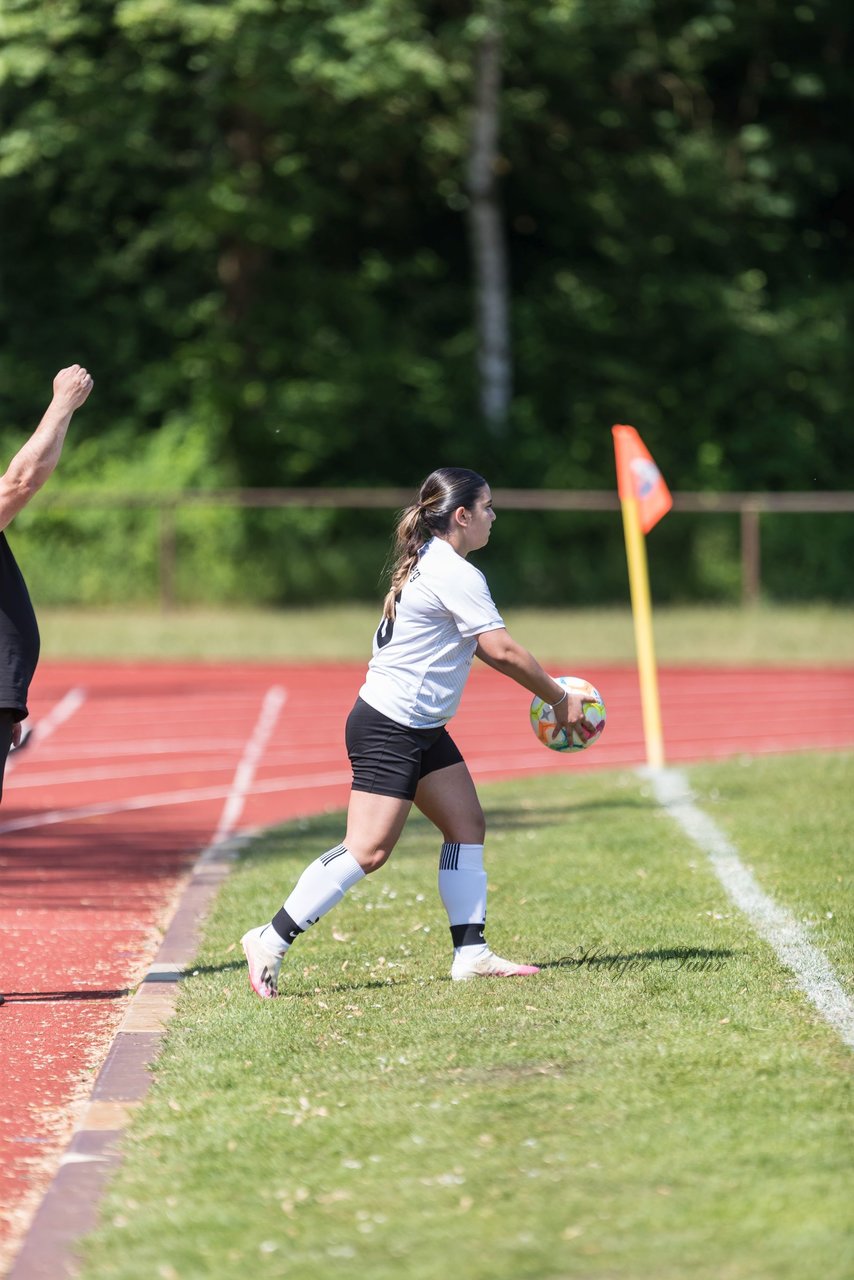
{"x":264,"y":964}
{"x":489,"y":966}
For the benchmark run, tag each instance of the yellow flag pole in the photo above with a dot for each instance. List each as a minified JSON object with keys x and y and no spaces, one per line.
{"x":642,"y":616}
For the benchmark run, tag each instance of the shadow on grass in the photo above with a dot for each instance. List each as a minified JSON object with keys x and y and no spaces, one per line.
{"x":232,"y":966}
{"x":313,"y":836}
{"x":558,"y":815}
{"x":331,"y":988}
{"x":200,"y":970}
{"x":690,"y":959}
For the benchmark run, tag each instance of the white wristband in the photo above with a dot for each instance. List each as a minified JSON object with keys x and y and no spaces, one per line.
{"x":560,"y":700}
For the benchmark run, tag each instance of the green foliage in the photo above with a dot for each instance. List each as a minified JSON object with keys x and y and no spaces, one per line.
{"x":75,"y":552}
{"x":682,"y":268}
{"x":197,"y":554}
{"x":800,"y":551}
{"x":248,"y":218}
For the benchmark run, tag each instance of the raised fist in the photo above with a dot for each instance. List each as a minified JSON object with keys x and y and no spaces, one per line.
{"x":72,"y":386}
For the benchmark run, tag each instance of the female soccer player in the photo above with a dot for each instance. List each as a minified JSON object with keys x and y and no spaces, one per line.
{"x":438,"y":614}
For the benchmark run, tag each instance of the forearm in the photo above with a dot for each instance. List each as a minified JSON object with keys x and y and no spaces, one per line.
{"x":36,"y":461}
{"x":512,"y":660}
{"x":33,"y":464}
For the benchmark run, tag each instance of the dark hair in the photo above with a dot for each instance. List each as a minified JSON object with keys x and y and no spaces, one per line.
{"x":439,"y":497}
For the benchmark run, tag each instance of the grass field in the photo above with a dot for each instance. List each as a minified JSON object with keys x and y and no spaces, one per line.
{"x":660,"y":1103}
{"x":805,"y":635}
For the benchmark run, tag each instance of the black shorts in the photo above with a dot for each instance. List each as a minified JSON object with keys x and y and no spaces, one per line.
{"x":390,"y":759}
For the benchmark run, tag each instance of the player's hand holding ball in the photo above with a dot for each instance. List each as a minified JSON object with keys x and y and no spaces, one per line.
{"x":559,"y":728}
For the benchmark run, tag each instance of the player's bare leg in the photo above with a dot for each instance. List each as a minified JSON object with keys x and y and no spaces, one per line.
{"x":449,"y":799}
{"x":374,"y":824}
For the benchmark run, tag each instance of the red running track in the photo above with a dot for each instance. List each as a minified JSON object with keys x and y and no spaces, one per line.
{"x":133,"y":770}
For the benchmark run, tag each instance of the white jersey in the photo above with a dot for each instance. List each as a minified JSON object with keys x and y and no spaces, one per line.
{"x":422,"y":658}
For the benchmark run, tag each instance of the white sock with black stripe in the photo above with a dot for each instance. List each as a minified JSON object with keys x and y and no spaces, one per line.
{"x":462,"y":888}
{"x":320,"y":887}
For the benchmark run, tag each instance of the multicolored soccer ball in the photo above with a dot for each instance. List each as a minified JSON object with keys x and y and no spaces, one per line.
{"x":543,"y":718}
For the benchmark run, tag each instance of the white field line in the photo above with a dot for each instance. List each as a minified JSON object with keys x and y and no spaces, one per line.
{"x":773,"y":923}
{"x":274,"y":700}
{"x":165,"y":799}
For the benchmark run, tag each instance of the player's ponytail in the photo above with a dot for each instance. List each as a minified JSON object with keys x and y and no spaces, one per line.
{"x":409,"y":537}
{"x":441,"y":494}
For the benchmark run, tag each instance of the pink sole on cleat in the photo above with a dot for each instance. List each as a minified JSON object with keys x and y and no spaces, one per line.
{"x":492,"y":966}
{"x":262,"y":978}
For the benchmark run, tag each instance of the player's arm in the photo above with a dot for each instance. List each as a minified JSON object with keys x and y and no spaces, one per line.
{"x":36,"y":461}
{"x":500,"y":651}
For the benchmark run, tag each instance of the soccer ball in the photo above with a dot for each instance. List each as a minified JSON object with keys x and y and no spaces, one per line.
{"x":543,"y":718}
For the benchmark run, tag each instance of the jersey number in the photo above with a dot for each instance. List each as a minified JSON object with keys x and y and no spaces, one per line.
{"x":384,"y":632}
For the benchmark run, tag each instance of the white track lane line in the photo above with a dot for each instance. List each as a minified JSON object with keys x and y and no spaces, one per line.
{"x":117,"y":773}
{"x":64,"y":710}
{"x":277,"y":757}
{"x":772,"y":922}
{"x":274,"y":700}
{"x":94,"y":750}
{"x":166,"y":799}
{"x":58,"y":714}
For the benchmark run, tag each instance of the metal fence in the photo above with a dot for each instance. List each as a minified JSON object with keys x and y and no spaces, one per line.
{"x":749,"y":507}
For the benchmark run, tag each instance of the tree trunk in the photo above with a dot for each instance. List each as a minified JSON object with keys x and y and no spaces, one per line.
{"x":241,"y":264}
{"x":486,"y":230}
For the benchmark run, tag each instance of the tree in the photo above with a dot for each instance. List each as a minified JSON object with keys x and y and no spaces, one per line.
{"x":489,"y":254}
{"x":250,"y":219}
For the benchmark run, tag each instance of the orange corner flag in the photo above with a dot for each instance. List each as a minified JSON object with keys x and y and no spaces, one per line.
{"x":638,"y":477}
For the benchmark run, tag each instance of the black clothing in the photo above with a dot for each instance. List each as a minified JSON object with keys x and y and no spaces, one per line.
{"x":19,"y":635}
{"x":390,"y":759}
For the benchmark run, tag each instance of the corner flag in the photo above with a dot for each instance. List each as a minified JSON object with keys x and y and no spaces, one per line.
{"x":638,"y":477}
{"x":644,"y":499}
